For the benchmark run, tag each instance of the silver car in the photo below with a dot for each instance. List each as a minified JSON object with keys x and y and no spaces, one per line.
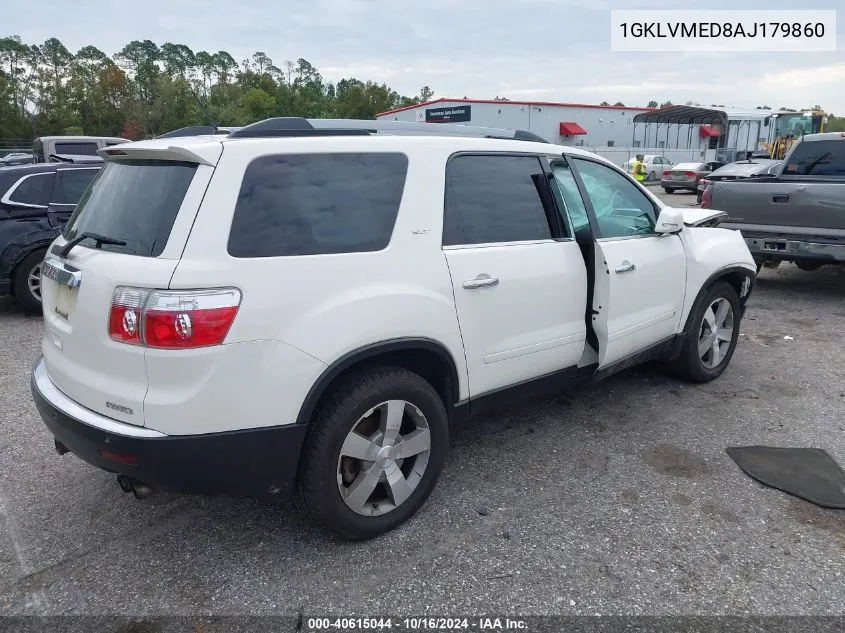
{"x":740,"y":170}
{"x":686,"y":176}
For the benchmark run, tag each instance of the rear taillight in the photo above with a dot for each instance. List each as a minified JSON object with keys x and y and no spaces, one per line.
{"x":666,"y":173}
{"x":690,"y":174}
{"x":704,"y":182}
{"x":706,"y":197}
{"x":173,"y":319}
{"x":125,"y":314}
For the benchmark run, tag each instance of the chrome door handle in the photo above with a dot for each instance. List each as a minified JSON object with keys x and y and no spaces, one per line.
{"x":481,"y":282}
{"x":625,"y":267}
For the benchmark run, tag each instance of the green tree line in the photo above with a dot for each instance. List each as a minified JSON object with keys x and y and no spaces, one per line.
{"x":146,"y":89}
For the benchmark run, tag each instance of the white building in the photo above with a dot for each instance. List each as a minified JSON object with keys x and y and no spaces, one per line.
{"x":681,"y":133}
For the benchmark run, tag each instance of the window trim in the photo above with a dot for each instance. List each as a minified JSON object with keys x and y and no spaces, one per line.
{"x":55,"y":182}
{"x":591,"y":213}
{"x":7,"y":197}
{"x":551,"y":214}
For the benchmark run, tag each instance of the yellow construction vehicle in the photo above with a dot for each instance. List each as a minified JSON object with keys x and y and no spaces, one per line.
{"x":788,"y":127}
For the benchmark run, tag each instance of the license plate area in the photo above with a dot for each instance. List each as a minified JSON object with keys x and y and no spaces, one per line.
{"x":774,"y":246}
{"x":65,"y":301}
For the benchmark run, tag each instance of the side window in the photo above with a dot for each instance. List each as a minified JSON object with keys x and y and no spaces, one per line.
{"x":70,"y":184}
{"x":621,"y":209}
{"x":492,"y":199}
{"x":817,"y":158}
{"x":313,"y":204}
{"x":35,"y":190}
{"x":569,"y":196}
{"x":76,"y":147}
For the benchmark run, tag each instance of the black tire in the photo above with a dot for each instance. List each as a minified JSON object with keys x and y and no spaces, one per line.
{"x":317,"y":484}
{"x":689,"y":365}
{"x":668,"y":190}
{"x":30,"y":302}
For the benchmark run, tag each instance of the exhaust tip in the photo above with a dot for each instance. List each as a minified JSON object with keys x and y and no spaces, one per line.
{"x":137,"y":488}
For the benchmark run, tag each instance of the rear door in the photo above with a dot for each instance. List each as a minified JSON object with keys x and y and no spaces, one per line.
{"x":640,"y":275}
{"x":150,"y":205}
{"x":811,"y":191}
{"x":519,"y":280}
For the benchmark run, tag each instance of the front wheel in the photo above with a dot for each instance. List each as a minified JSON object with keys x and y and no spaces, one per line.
{"x":712,"y":339}
{"x":26,"y":281}
{"x":373,"y":453}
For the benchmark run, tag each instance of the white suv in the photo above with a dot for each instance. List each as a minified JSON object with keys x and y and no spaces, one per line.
{"x":306,"y":305}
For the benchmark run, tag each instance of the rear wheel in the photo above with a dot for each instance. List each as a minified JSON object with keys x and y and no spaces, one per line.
{"x":668,"y":190}
{"x":26,"y":281}
{"x":374,"y":453}
{"x":651,"y":176}
{"x":712,"y":339}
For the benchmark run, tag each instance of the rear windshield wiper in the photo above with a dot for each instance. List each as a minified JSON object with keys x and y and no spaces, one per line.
{"x":99,"y":240}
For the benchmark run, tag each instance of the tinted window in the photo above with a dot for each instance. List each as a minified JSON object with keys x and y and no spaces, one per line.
{"x":494,"y":199}
{"x":34,"y":190}
{"x":70,"y":184}
{"x":308,"y":204}
{"x":135,"y":201}
{"x":76,"y":147}
{"x":621,"y":209}
{"x":817,"y":158}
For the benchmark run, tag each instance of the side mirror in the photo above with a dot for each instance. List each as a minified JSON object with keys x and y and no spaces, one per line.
{"x":669,"y":221}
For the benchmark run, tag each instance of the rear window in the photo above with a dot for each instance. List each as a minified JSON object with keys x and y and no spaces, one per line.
{"x":817,"y":158}
{"x":314,"y":204}
{"x":76,"y":147}
{"x":687,"y":166}
{"x":135,"y":201}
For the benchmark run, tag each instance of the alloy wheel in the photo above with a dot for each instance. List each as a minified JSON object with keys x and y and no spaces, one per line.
{"x":383,"y":458}
{"x":716,"y":334}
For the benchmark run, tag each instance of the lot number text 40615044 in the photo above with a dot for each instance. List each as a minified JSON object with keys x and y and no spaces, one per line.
{"x":415,"y":624}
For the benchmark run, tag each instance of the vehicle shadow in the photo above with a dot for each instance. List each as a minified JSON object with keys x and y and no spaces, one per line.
{"x":9,"y":307}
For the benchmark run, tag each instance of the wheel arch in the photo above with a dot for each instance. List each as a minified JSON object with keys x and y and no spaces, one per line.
{"x":12,"y":264}
{"x":734,"y":275}
{"x":427,"y":357}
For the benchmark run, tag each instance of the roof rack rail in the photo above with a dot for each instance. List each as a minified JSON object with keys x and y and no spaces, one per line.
{"x":198,"y":130}
{"x":298,"y":126}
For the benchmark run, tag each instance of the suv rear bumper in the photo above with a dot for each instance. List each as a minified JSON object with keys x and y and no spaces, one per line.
{"x":255,"y":462}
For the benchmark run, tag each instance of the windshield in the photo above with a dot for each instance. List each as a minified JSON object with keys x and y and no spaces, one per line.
{"x":135,"y":201}
{"x":794,"y":125}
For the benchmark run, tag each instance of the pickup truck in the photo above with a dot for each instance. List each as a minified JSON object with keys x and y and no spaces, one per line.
{"x":798,"y":213}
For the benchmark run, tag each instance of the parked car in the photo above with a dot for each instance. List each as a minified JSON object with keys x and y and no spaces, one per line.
{"x":311,"y":308}
{"x":654,"y":166}
{"x":686,"y":176}
{"x":35,"y":202}
{"x":16,"y":158}
{"x":797,"y":213}
{"x":740,"y":170}
{"x":45,"y":146}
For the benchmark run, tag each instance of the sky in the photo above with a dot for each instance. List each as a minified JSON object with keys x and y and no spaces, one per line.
{"x":545,"y":50}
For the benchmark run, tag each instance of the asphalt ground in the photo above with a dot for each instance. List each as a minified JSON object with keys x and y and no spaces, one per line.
{"x":616,"y":499}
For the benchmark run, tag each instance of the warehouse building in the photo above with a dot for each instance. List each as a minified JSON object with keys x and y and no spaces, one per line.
{"x":681,"y":133}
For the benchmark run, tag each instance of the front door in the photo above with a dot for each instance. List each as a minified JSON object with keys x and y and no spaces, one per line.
{"x":519,"y":279}
{"x":640,"y":275}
